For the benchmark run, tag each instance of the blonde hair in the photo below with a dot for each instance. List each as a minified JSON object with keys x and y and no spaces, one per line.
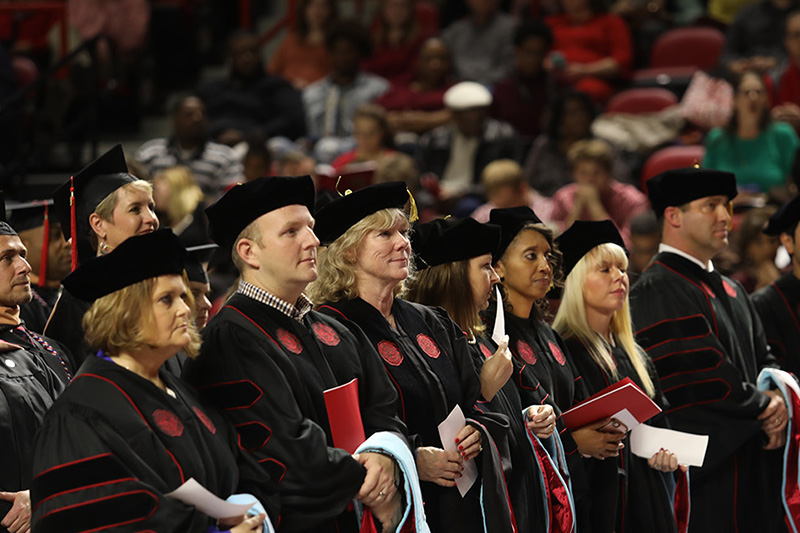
{"x":184,"y":195}
{"x":591,"y":150}
{"x":251,"y":232}
{"x":105,"y":209}
{"x":501,"y":173}
{"x":336,"y":263}
{"x":117,"y":322}
{"x":571,"y":318}
{"x":448,"y":286}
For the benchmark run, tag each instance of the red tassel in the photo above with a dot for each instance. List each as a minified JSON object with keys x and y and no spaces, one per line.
{"x":73,"y":231}
{"x":45,"y":248}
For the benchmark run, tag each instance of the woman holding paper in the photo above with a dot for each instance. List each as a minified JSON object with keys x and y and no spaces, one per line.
{"x":361,"y":272}
{"x":594,"y":319}
{"x":453,"y":259}
{"x":125,"y":433}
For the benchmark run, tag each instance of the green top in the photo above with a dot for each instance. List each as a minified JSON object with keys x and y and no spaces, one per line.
{"x":760,"y":163}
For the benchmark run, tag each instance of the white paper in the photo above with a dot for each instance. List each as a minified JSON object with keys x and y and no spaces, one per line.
{"x":499,"y":332}
{"x":448,"y":431}
{"x":193,"y":493}
{"x":626,"y":418}
{"x":690,"y":449}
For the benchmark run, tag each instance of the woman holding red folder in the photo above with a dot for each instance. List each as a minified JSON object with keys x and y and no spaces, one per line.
{"x":594,"y":320}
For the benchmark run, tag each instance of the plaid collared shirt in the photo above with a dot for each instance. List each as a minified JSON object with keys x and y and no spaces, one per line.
{"x":296,"y":311}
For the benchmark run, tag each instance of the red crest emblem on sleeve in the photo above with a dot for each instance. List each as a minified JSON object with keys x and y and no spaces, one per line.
{"x":168,"y":422}
{"x":289,"y":341}
{"x":486,"y":351}
{"x":326,"y":334}
{"x":526,"y":352}
{"x":729,"y":288}
{"x":204,"y":419}
{"x":557,"y":353}
{"x":390,"y":353}
{"x":708,"y":290}
{"x":428,"y":346}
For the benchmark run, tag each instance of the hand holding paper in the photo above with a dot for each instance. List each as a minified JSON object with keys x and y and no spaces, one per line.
{"x":496,"y":370}
{"x":448,"y":432}
{"x":689,"y":449}
{"x":623,"y":401}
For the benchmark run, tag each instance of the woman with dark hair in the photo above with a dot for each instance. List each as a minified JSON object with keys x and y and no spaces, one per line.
{"x":759,"y":151}
{"x":126,"y":433}
{"x":453,"y":259}
{"x":302,"y":57}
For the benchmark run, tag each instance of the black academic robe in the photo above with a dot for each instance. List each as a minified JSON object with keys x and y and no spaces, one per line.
{"x":36,"y":312}
{"x":113,"y":445}
{"x":267,"y":372}
{"x":56,"y":356}
{"x":708,"y":345}
{"x":625,"y":495}
{"x":66,"y":326}
{"x":429,"y":363}
{"x":778,"y":307}
{"x":28,"y":388}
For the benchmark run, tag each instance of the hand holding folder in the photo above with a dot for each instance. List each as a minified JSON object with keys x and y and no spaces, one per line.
{"x":623,"y":401}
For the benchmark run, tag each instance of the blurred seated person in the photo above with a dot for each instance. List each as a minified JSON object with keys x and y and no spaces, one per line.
{"x":418,"y":106}
{"x":645,"y":238}
{"x":481,"y":43}
{"x":761,"y":152}
{"x":295,"y":163}
{"x":180,"y":206}
{"x":595,"y":195}
{"x":249,"y":101}
{"x":787,"y":90}
{"x":214,"y":166}
{"x":458,"y":152}
{"x":397,"y":35}
{"x":592,"y":50}
{"x":331,"y":102}
{"x":568,"y":120}
{"x":301,"y":57}
{"x":755,"y":39}
{"x":757,"y":251}
{"x":48,"y":257}
{"x":505,"y":187}
{"x":372,"y":135}
{"x":257,"y":161}
{"x":521,"y":98}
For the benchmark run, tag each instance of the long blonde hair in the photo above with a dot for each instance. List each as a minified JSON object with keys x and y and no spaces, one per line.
{"x":184,"y":193}
{"x":336,"y":263}
{"x":571,"y":318}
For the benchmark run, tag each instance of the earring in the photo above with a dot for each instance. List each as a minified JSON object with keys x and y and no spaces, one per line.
{"x":104,"y":248}
{"x":552,"y":285}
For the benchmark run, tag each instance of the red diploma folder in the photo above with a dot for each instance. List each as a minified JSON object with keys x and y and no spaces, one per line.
{"x":344,"y":416}
{"x":609,"y":402}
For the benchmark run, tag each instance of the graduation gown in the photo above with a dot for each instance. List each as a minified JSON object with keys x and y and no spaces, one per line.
{"x":46,"y":349}
{"x":28,"y":388}
{"x":36,"y":312}
{"x":778,"y":307}
{"x":431,"y":368}
{"x":708,"y":345}
{"x":113,"y":445}
{"x":66,"y":326}
{"x":625,"y":494}
{"x":267,"y":372}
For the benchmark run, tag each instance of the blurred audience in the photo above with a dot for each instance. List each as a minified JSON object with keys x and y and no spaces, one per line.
{"x":787,"y":84}
{"x":180,"y":206}
{"x":757,"y":250}
{"x":505,"y":186}
{"x":248,"y":101}
{"x":301,"y":56}
{"x":331,"y":102}
{"x":257,"y":161}
{"x":481,"y":43}
{"x":372,"y":135}
{"x":760,"y":151}
{"x":214,"y":166}
{"x":644,"y":241}
{"x":595,"y":194}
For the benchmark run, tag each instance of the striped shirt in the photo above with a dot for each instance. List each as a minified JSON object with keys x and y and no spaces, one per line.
{"x":296,"y":311}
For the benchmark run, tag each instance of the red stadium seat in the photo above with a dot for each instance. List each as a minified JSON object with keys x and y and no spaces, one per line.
{"x":680,"y":52}
{"x":641,"y":100}
{"x":669,"y":158}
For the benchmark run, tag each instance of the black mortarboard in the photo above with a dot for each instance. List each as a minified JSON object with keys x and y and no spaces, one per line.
{"x":90,"y":186}
{"x":195,"y":258}
{"x":244,"y":203}
{"x":784,"y":218}
{"x":448,"y":240}
{"x":584,"y":235}
{"x":682,"y":185}
{"x":5,"y":229}
{"x":510,"y":220}
{"x":138,"y":258}
{"x":344,"y":212}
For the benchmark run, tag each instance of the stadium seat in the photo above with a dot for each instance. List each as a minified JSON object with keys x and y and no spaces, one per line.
{"x":669,"y":158}
{"x":641,"y":100}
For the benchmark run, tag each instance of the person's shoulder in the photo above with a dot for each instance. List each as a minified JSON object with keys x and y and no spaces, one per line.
{"x":715,"y":135}
{"x":783,"y":130}
{"x":765,"y":295}
{"x":220,"y":151}
{"x":316,"y":89}
{"x":505,"y":21}
{"x":372,"y":81}
{"x":497,"y":129}
{"x":152,"y":148}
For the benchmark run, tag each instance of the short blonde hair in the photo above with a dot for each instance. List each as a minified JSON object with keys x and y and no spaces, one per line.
{"x":185,"y":194}
{"x":117,"y":322}
{"x":251,"y":232}
{"x":594,"y":150}
{"x":571,"y":318}
{"x":501,"y":173}
{"x":105,"y":209}
{"x":337,"y":263}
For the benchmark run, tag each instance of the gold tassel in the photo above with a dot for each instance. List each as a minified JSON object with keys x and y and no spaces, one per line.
{"x":413,"y":214}
{"x":346,"y":192}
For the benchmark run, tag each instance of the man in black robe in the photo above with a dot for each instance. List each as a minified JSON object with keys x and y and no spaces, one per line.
{"x":778,"y":304}
{"x":33,"y":372}
{"x":708,"y":346}
{"x":267,"y":358}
